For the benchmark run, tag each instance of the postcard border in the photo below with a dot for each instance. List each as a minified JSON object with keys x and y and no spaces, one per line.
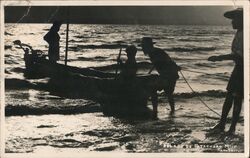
{"x":245,"y":5}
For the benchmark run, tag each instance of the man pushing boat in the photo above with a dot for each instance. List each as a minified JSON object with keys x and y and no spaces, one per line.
{"x":165,"y":66}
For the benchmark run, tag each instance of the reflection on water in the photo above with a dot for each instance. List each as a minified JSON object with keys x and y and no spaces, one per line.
{"x":96,"y":132}
{"x":190,"y":46}
{"x":38,"y":121}
{"x":33,"y":95}
{"x":199,"y":135}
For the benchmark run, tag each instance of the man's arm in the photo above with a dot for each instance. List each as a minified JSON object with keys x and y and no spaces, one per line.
{"x":233,"y":57}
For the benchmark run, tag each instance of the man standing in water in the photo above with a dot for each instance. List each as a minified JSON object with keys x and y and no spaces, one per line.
{"x":53,"y":38}
{"x":129,"y":68}
{"x":165,"y":66}
{"x":127,"y":77}
{"x":235,"y":90}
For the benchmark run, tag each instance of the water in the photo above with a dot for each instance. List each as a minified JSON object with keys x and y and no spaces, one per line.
{"x":98,"y":45}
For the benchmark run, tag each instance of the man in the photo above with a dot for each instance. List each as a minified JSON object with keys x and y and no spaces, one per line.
{"x":235,"y":92}
{"x":165,"y":66}
{"x":129,"y":68}
{"x":133,"y":89}
{"x":53,"y":38}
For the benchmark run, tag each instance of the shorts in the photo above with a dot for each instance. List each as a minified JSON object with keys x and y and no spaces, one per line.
{"x":236,"y":81}
{"x":168,"y":85}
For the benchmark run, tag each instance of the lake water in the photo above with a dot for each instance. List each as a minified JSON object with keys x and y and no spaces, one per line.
{"x":98,"y":45}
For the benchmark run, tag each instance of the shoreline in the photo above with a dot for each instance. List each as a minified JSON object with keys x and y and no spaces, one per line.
{"x":95,"y":132}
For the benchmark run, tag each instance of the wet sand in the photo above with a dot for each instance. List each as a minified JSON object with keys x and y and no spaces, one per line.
{"x":185,"y":131}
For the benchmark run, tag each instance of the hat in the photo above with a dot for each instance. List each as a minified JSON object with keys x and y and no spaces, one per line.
{"x":234,"y":14}
{"x":57,"y":23}
{"x":147,"y":40}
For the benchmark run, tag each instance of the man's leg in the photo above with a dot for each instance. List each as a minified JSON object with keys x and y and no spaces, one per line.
{"x":236,"y":113}
{"x":171,"y":102}
{"x":169,"y":90}
{"x":154,"y":98}
{"x":225,"y":110}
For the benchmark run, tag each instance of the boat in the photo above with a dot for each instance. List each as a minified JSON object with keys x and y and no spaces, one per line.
{"x":115,"y":96}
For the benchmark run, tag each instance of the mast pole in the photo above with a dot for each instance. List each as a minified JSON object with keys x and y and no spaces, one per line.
{"x":67,"y":37}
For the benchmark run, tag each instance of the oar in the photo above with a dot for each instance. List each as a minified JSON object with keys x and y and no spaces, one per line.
{"x":119,"y":56}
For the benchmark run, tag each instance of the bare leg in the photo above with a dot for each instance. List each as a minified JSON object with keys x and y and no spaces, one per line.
{"x":225,"y":110}
{"x":236,"y":113}
{"x":154,"y":98}
{"x":169,"y":90}
{"x":171,"y":102}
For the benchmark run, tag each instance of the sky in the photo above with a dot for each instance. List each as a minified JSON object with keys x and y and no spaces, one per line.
{"x":170,"y":15}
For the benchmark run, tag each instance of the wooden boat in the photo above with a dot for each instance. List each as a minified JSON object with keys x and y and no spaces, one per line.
{"x":115,"y":96}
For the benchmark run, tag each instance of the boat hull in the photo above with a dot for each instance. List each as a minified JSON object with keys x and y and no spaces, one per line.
{"x":115,"y":96}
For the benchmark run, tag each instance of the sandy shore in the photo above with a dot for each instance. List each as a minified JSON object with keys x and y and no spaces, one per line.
{"x":185,"y":131}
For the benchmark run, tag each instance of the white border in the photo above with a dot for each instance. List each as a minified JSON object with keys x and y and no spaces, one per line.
{"x":2,"y":94}
{"x":246,"y":78}
{"x":125,"y":2}
{"x":245,"y":5}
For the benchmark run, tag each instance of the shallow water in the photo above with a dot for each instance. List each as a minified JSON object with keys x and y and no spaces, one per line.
{"x":37,"y":121}
{"x":183,"y":132}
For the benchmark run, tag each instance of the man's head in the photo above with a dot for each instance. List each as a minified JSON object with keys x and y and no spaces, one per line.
{"x":131,"y":51}
{"x":237,"y":18}
{"x":56,"y":25}
{"x":147,"y":44}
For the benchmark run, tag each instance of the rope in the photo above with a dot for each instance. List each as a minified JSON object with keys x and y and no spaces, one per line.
{"x":198,"y":96}
{"x":193,"y":71}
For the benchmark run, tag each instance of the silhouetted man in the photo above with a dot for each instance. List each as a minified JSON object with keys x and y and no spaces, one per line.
{"x":165,"y":66}
{"x":127,"y":79}
{"x":129,"y":68}
{"x":235,"y":90}
{"x":53,"y":38}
